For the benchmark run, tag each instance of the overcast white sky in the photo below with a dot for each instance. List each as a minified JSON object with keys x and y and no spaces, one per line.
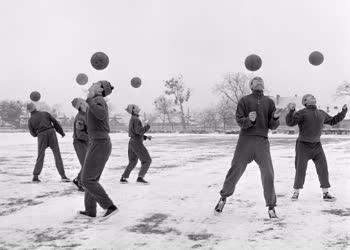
{"x":44,"y":44}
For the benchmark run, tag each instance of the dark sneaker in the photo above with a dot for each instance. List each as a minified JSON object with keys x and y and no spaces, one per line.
{"x":65,"y":179}
{"x":220,"y":206}
{"x":141,"y":180}
{"x":328,"y":197}
{"x":272,"y":213}
{"x":295,"y":196}
{"x":110,"y":211}
{"x":87,"y":214}
{"x":123,"y":180}
{"x":78,"y":185}
{"x":36,"y":178}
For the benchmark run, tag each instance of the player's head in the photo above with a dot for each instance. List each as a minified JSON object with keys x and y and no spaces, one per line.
{"x":103,"y":88}
{"x":308,"y":99}
{"x":256,"y":83}
{"x":80,"y":104}
{"x":133,"y":109}
{"x":31,"y":107}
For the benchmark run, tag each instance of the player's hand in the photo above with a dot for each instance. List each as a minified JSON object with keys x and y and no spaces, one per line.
{"x":80,"y":125}
{"x":345,"y":107}
{"x":252,"y":116}
{"x":63,"y":135}
{"x":90,"y":94}
{"x":277,"y":113}
{"x":291,"y":106}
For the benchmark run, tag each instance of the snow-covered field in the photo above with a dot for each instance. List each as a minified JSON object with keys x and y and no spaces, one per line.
{"x":176,"y":210}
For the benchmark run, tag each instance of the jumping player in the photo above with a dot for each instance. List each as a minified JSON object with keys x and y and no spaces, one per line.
{"x":308,"y":145}
{"x":80,"y":136}
{"x":43,"y":125}
{"x":98,"y":152}
{"x":255,"y":114}
{"x":136,"y":148}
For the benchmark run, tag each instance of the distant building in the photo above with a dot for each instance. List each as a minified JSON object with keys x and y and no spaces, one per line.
{"x":331,"y":109}
{"x":283,"y":101}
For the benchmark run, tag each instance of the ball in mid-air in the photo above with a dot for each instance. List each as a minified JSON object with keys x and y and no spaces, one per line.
{"x":35,"y":96}
{"x":253,"y":62}
{"x":136,"y":82}
{"x":82,"y":79}
{"x":99,"y":60}
{"x":316,"y":58}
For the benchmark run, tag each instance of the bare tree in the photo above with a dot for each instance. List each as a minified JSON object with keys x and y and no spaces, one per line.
{"x":165,"y":109}
{"x":149,"y":117}
{"x":56,"y":110}
{"x":343,"y":90}
{"x":11,"y":112}
{"x":209,"y":119}
{"x":43,"y":106}
{"x":233,"y":87}
{"x":176,"y":87}
{"x":226,"y":111}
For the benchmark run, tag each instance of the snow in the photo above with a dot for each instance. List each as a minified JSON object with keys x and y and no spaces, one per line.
{"x":176,"y":210}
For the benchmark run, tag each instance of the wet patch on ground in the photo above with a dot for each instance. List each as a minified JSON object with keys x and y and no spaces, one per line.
{"x":265,"y":230}
{"x":153,"y":225}
{"x":15,"y":204}
{"x":60,"y":237}
{"x":167,"y":166}
{"x":342,"y":242}
{"x":196,"y":246}
{"x":338,"y":212}
{"x":281,"y":195}
{"x":5,"y":245}
{"x":47,"y":238}
{"x":4,"y":159}
{"x":197,"y":237}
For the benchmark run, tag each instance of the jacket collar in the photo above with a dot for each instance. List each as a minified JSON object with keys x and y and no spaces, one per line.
{"x":258,"y":93}
{"x":311,"y":106}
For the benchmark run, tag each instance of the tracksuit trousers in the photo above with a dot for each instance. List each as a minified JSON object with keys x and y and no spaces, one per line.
{"x":305,"y":151}
{"x":251,"y":148}
{"x":136,"y":150}
{"x":97,"y":155}
{"x":47,"y":139}
{"x":80,"y":148}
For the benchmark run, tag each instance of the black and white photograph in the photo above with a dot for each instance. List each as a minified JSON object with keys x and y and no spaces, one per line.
{"x":188,"y":124}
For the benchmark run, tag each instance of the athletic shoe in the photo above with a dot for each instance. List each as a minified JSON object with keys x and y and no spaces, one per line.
{"x":87,"y":214}
{"x":272,"y":213}
{"x":36,"y":178}
{"x":141,"y":180}
{"x":110,"y":211}
{"x":295,"y":196}
{"x":220,"y":206}
{"x":79,"y":186}
{"x":328,"y":197}
{"x":123,"y":180}
{"x":65,"y":179}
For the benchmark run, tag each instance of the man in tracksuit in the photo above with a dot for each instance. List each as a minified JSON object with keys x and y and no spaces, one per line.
{"x":255,"y":114}
{"x":98,"y":151}
{"x":80,"y":136}
{"x":136,"y":148}
{"x":43,"y":125}
{"x":308,"y":145}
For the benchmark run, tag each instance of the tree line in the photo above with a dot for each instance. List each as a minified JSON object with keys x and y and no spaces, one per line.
{"x":171,"y":109}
